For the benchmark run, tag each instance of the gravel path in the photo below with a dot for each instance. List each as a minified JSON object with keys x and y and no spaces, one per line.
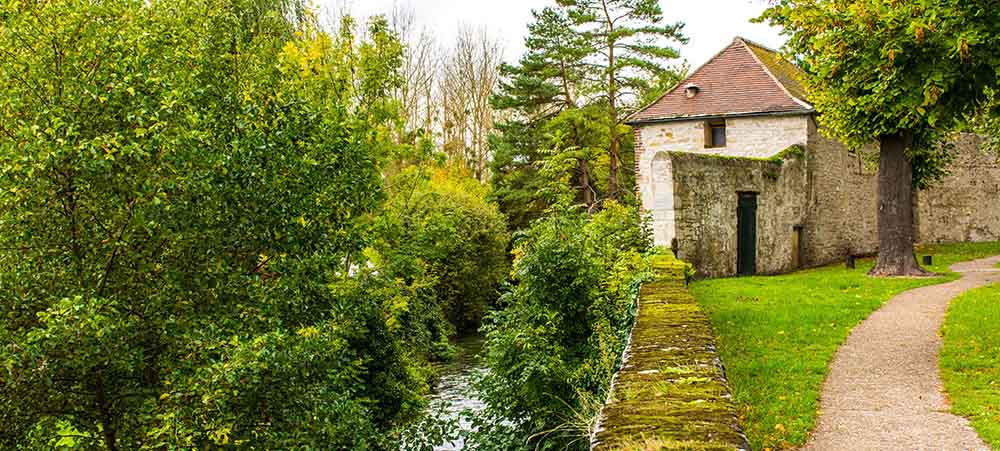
{"x":884,"y":389}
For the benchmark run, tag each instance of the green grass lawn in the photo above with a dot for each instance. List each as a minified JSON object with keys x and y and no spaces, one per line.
{"x":970,"y":360}
{"x":778,"y":334}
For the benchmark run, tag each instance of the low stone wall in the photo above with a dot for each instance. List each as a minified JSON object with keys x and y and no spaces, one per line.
{"x":672,"y":391}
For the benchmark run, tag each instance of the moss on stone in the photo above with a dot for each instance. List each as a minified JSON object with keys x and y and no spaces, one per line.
{"x":793,"y":151}
{"x":672,"y":392}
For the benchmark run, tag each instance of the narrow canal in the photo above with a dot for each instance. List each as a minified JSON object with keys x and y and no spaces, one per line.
{"x":454,"y":392}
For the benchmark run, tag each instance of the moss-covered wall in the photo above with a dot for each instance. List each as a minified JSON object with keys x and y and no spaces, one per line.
{"x":672,"y":391}
{"x":706,"y":193}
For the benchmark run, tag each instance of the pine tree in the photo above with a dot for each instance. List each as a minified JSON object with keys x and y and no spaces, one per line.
{"x":628,"y":45}
{"x":545,"y":83}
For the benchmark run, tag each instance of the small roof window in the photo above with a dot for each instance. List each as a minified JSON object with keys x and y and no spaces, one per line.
{"x":692,"y":90}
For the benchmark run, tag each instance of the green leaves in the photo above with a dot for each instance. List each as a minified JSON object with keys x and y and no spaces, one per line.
{"x":185,"y":192}
{"x":553,"y":348}
{"x":627,"y":41}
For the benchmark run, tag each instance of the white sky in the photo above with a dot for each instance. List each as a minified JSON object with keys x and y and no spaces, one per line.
{"x":710,"y":24}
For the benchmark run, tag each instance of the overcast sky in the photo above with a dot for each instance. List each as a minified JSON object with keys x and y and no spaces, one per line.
{"x":710,"y":24}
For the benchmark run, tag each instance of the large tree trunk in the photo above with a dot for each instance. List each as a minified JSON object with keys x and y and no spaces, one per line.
{"x":895,"y":209}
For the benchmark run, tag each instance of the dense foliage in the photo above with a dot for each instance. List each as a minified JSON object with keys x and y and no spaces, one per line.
{"x":877,"y":68}
{"x":187,"y":190}
{"x":438,"y":228}
{"x":554,"y":347}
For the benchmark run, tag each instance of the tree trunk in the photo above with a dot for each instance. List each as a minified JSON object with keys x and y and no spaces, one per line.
{"x":104,"y":408}
{"x":613,"y":170}
{"x":895,"y":209}
{"x":613,"y":150}
{"x":589,"y":199}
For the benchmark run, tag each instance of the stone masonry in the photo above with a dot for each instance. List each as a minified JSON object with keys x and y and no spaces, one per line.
{"x":815,"y":205}
{"x":754,"y":137}
{"x":822,"y":193}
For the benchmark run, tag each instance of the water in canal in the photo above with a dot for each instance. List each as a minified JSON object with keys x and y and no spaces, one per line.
{"x":454,"y":391}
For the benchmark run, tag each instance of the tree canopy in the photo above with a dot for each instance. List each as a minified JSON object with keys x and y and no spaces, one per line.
{"x":879,"y":68}
{"x":583,"y":73}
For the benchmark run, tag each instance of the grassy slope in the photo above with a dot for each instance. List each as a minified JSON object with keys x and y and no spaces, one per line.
{"x":778,"y":334}
{"x":970,"y":360}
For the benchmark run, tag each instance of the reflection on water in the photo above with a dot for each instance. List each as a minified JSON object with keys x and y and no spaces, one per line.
{"x":454,"y":391}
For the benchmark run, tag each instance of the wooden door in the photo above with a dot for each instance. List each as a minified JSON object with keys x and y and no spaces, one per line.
{"x":746,"y":227}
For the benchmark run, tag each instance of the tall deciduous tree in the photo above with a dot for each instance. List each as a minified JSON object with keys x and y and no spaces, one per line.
{"x":629,"y":46}
{"x":469,"y":77}
{"x":421,"y":66}
{"x":184,"y":193}
{"x":900,"y":73}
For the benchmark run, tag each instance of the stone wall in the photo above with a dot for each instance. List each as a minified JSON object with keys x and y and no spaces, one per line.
{"x":706,"y":196}
{"x":829,"y":194}
{"x":671,"y":392}
{"x":843,"y":203}
{"x":755,"y":137}
{"x":965,"y":205}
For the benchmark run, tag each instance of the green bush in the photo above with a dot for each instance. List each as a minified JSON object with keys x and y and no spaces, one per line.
{"x":186,"y":189}
{"x":438,"y":228}
{"x":554,"y":346}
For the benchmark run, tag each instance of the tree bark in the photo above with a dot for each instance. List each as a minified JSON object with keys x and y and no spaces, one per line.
{"x":613,"y":148}
{"x":589,"y":199}
{"x":895,"y":209}
{"x":107,"y":423}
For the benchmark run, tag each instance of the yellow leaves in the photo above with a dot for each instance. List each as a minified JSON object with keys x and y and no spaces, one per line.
{"x":309,"y":332}
{"x":399,"y":306}
{"x":779,"y":428}
{"x":931,"y":95}
{"x":892,"y":55}
{"x":963,"y":49}
{"x":164,"y":396}
{"x":309,"y":55}
{"x":221,"y":436}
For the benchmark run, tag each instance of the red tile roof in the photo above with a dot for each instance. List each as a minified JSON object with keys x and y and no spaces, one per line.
{"x":743,"y":79}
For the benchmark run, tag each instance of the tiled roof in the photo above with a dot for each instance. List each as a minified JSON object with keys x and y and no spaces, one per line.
{"x":744,"y":78}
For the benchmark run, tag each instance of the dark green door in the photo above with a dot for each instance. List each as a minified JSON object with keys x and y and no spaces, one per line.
{"x":746,"y":229}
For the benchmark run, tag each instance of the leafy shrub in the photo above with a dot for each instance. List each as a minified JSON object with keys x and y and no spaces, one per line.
{"x":553,"y":348}
{"x":183,"y":208}
{"x":438,"y":227}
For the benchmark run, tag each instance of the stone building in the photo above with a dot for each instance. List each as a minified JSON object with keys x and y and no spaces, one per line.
{"x":737,"y":177}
